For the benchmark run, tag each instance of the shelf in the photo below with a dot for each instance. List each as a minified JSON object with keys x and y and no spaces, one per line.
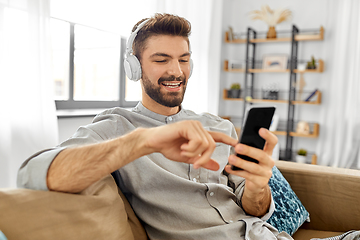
{"x":225,"y":96}
{"x":258,"y":100}
{"x":267,"y":101}
{"x":320,"y":69}
{"x":243,"y":40}
{"x":226,"y":68}
{"x":316,"y":102}
{"x":313,"y":134}
{"x":298,"y":37}
{"x":311,"y":158}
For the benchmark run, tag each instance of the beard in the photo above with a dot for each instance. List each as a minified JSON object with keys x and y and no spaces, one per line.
{"x":169,"y":99}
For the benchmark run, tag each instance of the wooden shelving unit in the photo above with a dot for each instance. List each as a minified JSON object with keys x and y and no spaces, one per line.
{"x":251,"y":68}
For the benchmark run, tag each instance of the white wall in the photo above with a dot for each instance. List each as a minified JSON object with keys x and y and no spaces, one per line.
{"x":307,"y":14}
{"x":68,"y":126}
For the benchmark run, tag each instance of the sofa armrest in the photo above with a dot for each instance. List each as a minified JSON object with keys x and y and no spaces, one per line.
{"x":96,"y":213}
{"x":331,"y":195}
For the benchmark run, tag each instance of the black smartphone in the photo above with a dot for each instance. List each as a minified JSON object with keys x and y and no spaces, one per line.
{"x":255,"y":118}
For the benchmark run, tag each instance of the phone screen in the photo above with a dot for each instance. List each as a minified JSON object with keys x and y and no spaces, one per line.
{"x":256,"y":118}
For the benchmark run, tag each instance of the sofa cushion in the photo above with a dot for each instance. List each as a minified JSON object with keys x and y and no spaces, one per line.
{"x":289,"y":212}
{"x":306,"y":234}
{"x":96,"y":213}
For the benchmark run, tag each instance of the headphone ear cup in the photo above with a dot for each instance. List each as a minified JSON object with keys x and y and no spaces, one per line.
{"x":132,"y":68}
{"x":191,"y":67}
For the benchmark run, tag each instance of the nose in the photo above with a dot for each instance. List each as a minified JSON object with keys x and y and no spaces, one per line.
{"x":175,"y":69}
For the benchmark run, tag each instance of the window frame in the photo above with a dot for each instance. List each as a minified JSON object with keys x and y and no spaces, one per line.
{"x":70,"y":103}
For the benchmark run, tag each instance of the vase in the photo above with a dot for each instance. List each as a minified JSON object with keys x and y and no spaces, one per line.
{"x":234,"y":93}
{"x":300,"y":159}
{"x":271,"y":33}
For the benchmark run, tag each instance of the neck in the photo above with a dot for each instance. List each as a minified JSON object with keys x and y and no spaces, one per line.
{"x":158,"y":108}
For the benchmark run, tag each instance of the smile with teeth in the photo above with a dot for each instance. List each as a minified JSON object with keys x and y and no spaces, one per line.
{"x":171,"y":84}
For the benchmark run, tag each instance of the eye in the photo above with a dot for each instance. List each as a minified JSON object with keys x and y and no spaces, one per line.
{"x":184,"y":60}
{"x":161,"y":61}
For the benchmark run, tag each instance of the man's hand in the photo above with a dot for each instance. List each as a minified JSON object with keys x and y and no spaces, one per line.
{"x":257,"y":196}
{"x":186,"y":141}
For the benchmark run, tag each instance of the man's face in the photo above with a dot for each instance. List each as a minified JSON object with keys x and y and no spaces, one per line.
{"x":165,"y":66}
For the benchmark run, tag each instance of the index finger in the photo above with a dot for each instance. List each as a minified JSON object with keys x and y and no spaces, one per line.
{"x":222,"y":137}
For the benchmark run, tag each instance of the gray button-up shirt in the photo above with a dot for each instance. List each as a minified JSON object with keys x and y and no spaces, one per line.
{"x":173,"y":199}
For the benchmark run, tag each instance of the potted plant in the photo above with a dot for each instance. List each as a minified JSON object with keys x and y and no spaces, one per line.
{"x":301,"y":155}
{"x":311,"y":64}
{"x":234,"y":91}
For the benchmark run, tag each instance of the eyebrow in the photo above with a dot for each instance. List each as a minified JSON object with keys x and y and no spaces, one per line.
{"x":167,"y":55}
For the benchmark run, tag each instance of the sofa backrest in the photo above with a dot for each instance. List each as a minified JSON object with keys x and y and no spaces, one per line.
{"x":331,"y":195}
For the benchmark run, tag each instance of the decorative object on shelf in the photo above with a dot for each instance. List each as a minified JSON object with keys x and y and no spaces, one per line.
{"x":234,"y":91}
{"x":275,"y":62}
{"x":303,"y":127}
{"x":301,"y":66}
{"x":311,"y":95}
{"x":271,"y":18}
{"x":301,"y":84}
{"x":248,"y":98}
{"x":301,"y":156}
{"x":311,"y":64}
{"x":270,"y":91}
{"x":234,"y":65}
{"x":231,"y":34}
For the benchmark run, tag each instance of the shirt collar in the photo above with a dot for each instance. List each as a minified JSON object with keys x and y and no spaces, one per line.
{"x":139,"y":108}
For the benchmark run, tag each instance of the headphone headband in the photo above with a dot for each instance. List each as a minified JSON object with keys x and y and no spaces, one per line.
{"x":132,"y":37}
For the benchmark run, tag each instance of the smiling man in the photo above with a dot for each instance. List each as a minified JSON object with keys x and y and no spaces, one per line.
{"x":164,"y":78}
{"x":171,"y":163}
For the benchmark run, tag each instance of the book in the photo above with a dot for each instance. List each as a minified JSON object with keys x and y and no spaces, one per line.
{"x":274,"y":123}
{"x":311,"y":95}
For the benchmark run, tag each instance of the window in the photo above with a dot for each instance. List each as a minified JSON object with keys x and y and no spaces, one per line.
{"x":88,"y":68}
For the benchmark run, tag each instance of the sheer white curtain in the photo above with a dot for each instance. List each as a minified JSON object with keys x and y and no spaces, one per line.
{"x":205,"y":17}
{"x":28,"y":119}
{"x":340,"y":136}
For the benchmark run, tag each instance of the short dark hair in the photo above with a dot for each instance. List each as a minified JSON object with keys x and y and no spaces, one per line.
{"x":160,"y":24}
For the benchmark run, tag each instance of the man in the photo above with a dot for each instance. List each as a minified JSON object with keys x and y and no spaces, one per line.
{"x":188,"y":197}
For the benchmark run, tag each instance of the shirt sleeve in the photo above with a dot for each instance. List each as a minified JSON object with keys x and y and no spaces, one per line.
{"x":33,"y":172}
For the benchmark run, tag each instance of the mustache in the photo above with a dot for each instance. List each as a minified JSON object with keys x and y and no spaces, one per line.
{"x":172,"y":78}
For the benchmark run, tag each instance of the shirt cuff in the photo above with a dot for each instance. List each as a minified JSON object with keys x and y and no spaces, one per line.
{"x":33,"y":173}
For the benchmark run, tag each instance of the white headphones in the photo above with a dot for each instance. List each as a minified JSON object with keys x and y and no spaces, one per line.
{"x":131,"y":62}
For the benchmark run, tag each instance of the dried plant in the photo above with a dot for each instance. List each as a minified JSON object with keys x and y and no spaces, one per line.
{"x":271,"y":17}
